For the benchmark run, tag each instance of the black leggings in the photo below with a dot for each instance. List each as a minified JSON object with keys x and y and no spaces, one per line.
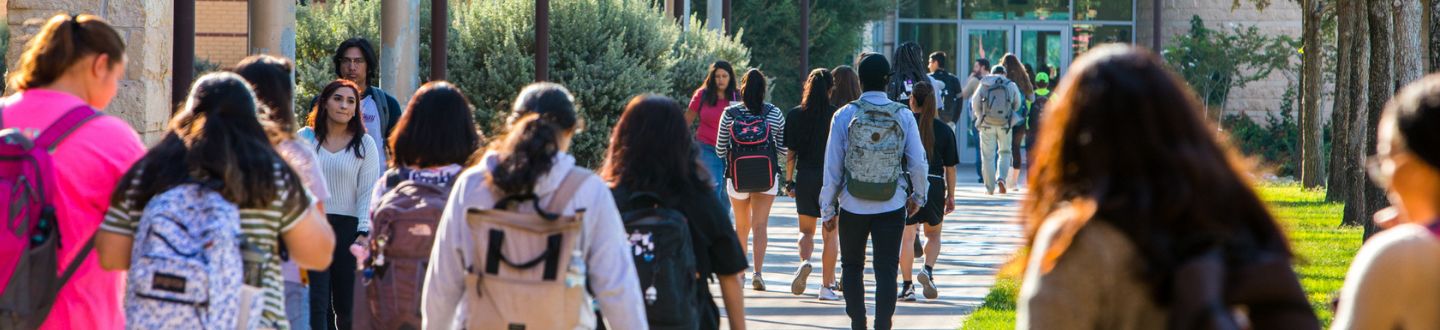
{"x":332,"y":292}
{"x":1017,"y":155}
{"x":855,"y":231}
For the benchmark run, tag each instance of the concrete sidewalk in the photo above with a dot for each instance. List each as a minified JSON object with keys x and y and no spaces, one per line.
{"x":978,"y":238}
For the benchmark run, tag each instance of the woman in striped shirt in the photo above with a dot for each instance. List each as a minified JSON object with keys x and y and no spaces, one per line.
{"x":752,"y":210}
{"x":350,"y":160}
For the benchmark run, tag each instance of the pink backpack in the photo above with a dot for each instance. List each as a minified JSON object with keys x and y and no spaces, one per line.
{"x":31,"y":230}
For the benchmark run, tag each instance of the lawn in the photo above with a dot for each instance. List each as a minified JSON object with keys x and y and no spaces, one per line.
{"x":1324,"y":252}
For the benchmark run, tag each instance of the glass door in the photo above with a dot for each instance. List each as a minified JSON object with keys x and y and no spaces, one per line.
{"x":989,"y":42}
{"x":1044,"y":49}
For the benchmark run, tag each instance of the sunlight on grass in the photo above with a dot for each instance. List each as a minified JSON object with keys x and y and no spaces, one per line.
{"x":1323,"y":248}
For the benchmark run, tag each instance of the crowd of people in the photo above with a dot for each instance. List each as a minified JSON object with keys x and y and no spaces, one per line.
{"x":371,"y":215}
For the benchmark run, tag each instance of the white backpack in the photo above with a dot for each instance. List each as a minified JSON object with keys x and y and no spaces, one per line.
{"x":186,"y":268}
{"x":997,"y":104}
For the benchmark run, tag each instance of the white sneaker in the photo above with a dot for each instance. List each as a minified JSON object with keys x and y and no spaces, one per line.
{"x":828,"y":294}
{"x":797,"y":285}
{"x":757,"y":283}
{"x":927,"y":285}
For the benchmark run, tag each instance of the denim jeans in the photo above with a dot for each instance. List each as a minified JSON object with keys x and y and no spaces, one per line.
{"x":297,"y":305}
{"x":716,"y":166}
{"x":994,"y":155}
{"x":884,"y":230}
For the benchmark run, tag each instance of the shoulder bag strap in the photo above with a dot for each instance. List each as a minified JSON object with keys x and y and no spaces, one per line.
{"x":61,"y":128}
{"x":567,"y":190}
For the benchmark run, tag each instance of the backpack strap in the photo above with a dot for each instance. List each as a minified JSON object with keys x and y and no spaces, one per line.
{"x":395,"y":176}
{"x":61,"y":128}
{"x":568,"y":188}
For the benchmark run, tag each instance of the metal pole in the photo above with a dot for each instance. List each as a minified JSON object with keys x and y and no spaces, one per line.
{"x":1155,"y":30}
{"x":728,"y":22}
{"x":183,"y":53}
{"x":439,"y":34}
{"x":542,"y":40}
{"x":804,"y":38}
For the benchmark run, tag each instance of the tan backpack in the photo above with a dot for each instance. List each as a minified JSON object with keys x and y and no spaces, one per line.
{"x":528,"y":272}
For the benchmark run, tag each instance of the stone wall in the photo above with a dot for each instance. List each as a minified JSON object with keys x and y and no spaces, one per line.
{"x":146,"y":25}
{"x":1282,"y":17}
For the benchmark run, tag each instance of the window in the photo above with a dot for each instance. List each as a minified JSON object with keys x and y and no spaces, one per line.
{"x":1105,"y":10}
{"x":931,"y":37}
{"x":1032,"y":10}
{"x":942,"y":9}
{"x":1089,"y":36}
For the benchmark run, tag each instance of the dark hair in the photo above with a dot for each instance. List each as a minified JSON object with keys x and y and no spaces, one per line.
{"x":436,"y":129}
{"x":817,"y":90}
{"x":643,"y":155}
{"x":847,"y":86}
{"x":983,"y":62}
{"x":939,"y":57}
{"x":998,"y":69}
{"x":752,"y":91}
{"x":367,"y":51}
{"x":269,"y":77}
{"x":63,"y":41}
{"x":320,"y":118}
{"x":921,"y":102}
{"x":711,"y":92}
{"x":541,"y":113}
{"x":1017,"y":73}
{"x":1415,"y":112}
{"x":216,"y":139}
{"x":909,"y":67}
{"x":874,"y":72}
{"x":1177,"y":195}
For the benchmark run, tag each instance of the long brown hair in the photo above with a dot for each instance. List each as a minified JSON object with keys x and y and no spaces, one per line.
{"x":320,"y":118}
{"x":643,"y":155}
{"x":1125,"y":145}
{"x":712,"y":92}
{"x":1016,"y":72}
{"x":541,"y":114}
{"x":64,"y":40}
{"x":847,"y":86}
{"x":922,"y":97}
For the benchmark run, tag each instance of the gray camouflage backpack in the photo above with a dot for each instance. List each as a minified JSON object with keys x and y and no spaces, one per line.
{"x":874,"y":151}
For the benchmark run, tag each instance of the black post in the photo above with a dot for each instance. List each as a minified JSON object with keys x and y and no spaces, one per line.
{"x":804,"y":38}
{"x":439,"y":33}
{"x":728,"y":25}
{"x":1155,"y":30}
{"x":542,"y":40}
{"x":183,"y":52}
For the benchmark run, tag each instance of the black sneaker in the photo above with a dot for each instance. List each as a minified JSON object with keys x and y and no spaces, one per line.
{"x":908,"y":294}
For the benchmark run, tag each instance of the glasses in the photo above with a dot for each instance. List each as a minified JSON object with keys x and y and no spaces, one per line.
{"x":355,"y":61}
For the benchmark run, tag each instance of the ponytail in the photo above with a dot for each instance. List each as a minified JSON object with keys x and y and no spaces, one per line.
{"x":63,"y":41}
{"x":529,"y":152}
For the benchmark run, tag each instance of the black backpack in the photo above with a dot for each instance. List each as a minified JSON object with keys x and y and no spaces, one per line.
{"x":664,"y":260}
{"x":752,"y":152}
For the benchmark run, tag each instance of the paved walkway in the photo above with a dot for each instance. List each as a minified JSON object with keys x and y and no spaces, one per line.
{"x":978,"y":238}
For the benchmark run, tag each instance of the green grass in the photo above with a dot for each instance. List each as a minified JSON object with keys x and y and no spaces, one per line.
{"x":1324,"y":252}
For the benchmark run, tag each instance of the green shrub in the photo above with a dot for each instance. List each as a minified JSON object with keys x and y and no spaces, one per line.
{"x":604,"y":51}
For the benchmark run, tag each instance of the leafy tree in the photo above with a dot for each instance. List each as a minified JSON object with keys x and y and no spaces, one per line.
{"x":1214,"y":62}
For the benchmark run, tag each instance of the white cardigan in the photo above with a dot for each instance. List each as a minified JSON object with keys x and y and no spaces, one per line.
{"x":611,"y":271}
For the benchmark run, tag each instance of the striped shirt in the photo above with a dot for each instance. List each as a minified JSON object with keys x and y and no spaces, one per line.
{"x":260,"y":227}
{"x":349,"y":178}
{"x":773,"y":118}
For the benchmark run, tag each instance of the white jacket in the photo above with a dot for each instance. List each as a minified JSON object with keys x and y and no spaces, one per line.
{"x":611,"y":270}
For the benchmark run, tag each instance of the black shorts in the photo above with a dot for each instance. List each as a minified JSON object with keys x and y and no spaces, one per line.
{"x":934,"y":210}
{"x":807,"y":191}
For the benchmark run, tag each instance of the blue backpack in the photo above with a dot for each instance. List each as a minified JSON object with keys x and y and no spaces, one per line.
{"x":186,"y":268}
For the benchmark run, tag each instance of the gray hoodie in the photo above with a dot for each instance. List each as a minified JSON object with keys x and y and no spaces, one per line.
{"x":611,"y":271}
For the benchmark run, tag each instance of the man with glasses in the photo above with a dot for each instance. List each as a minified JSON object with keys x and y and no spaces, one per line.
{"x":355,"y":61}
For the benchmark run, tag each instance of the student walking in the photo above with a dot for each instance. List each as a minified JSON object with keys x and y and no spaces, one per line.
{"x":940,"y":151}
{"x":949,"y":89}
{"x":708,"y":105}
{"x":215,"y":145}
{"x":431,"y":142}
{"x":355,"y":61}
{"x":751,"y":140}
{"x":71,"y":69}
{"x":1127,"y":235}
{"x":808,"y":126}
{"x":1020,"y":75}
{"x":270,"y":77}
{"x":526,"y":198}
{"x":872,"y":142}
{"x":972,"y":83}
{"x":1404,"y":260}
{"x":648,"y":172}
{"x":910,"y":69}
{"x":996,"y":103}
{"x":350,"y":159}
{"x":846,"y":90}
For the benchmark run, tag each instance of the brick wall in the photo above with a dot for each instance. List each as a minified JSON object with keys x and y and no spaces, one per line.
{"x":221,"y":31}
{"x":1280,"y":18}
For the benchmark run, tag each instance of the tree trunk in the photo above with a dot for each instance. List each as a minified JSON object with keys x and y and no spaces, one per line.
{"x":1354,"y":174}
{"x":1340,"y":114}
{"x":1311,"y":166}
{"x":1409,"y":52}
{"x":1434,"y":18}
{"x":1382,"y":87}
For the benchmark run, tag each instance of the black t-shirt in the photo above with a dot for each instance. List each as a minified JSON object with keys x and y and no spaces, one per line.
{"x":946,"y":154}
{"x":806,"y":135}
{"x":717,"y":249}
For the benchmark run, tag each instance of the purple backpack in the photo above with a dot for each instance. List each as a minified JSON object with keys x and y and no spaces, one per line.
{"x":27,"y":189}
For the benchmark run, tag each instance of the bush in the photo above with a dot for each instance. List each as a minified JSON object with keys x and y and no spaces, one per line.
{"x":604,"y":51}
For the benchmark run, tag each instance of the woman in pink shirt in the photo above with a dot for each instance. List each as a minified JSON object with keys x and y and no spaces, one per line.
{"x":75,"y":62}
{"x":708,"y":103}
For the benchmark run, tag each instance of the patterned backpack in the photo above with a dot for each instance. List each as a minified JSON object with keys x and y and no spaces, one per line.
{"x":752,"y":155}
{"x":875,"y":151}
{"x":187,"y":270}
